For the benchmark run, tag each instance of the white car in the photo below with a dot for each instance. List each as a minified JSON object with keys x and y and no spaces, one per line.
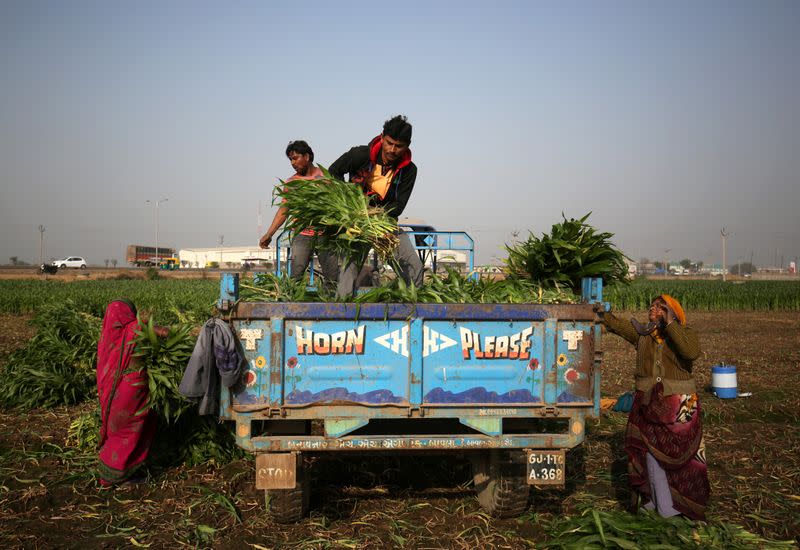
{"x":70,"y":261}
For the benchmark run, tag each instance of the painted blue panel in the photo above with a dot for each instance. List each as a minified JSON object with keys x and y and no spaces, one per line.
{"x":592,"y":289}
{"x":228,"y":287}
{"x":481,"y":362}
{"x":254,"y":389}
{"x":358,"y":362}
{"x":573,"y":366}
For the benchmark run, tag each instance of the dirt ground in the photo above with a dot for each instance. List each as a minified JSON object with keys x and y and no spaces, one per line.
{"x":49,"y":499}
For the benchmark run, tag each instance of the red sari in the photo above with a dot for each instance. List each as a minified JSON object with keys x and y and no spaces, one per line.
{"x":669,"y":428}
{"x":125,"y":438}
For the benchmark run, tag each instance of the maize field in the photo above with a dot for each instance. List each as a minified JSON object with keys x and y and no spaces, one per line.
{"x":173,"y":300}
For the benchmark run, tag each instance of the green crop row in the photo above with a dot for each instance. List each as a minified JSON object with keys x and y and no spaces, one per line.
{"x":168,"y":300}
{"x":709,"y":295}
{"x":191,"y":300}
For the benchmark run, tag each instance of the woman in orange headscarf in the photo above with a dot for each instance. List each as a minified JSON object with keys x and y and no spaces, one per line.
{"x":664,"y":437}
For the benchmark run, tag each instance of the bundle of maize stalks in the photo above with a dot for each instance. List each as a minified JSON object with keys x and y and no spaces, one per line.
{"x":267,"y":287}
{"x":572,"y":250}
{"x":342,"y":216}
{"x":164,"y":359}
{"x":452,"y":288}
{"x":455,"y":288}
{"x":600,"y":529}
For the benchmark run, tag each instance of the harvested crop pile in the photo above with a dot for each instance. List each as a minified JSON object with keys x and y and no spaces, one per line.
{"x":599,"y":529}
{"x":573,"y":250}
{"x":345,"y":221}
{"x":458,"y":289}
{"x":453,"y":288}
{"x":266,"y":287}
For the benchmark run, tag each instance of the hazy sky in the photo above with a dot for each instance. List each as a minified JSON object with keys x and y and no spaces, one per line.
{"x":667,"y":120}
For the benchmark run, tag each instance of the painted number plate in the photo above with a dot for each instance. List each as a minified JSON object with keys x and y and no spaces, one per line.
{"x":546,"y":467}
{"x":276,"y":471}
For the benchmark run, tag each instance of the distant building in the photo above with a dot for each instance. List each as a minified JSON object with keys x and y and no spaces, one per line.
{"x":229,"y":257}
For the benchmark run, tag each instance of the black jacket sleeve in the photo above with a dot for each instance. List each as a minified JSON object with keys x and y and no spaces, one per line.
{"x":408,"y":176}
{"x":349,"y":162}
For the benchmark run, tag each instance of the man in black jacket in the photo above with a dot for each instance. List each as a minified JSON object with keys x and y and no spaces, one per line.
{"x":385,"y":172}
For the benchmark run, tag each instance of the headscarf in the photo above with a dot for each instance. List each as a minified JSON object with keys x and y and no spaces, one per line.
{"x":119,"y":327}
{"x":653,"y":328}
{"x":676,"y":308}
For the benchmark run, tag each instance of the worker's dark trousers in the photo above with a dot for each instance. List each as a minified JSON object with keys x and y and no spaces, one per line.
{"x":303,"y":249}
{"x":406,"y":256}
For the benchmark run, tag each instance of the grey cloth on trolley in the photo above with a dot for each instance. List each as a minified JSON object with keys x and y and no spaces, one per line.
{"x":217,"y":357}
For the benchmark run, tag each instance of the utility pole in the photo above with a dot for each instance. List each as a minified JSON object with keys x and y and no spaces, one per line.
{"x":724,"y":253}
{"x":259,"y":220}
{"x":221,"y":240}
{"x":41,"y":245}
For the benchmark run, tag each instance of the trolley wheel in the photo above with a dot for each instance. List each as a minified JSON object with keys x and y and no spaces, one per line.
{"x":500,"y":479}
{"x":291,"y":505}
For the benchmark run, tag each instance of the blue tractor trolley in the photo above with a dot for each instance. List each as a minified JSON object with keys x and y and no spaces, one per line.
{"x":508,"y":385}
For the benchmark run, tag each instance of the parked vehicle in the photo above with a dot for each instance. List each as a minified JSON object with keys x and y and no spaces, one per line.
{"x":70,"y":261}
{"x":169,"y":264}
{"x":509,"y":386}
{"x":145,"y":256}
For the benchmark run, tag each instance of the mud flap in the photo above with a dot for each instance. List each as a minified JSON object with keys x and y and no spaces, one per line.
{"x":276,"y":470}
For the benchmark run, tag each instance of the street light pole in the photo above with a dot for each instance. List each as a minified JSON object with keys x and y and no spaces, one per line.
{"x":724,"y":253}
{"x":158,"y":256}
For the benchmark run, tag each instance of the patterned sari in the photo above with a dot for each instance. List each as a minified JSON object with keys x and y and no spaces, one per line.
{"x":669,"y":428}
{"x":125,"y":438}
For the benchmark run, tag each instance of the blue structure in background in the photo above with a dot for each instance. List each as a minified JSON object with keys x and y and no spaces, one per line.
{"x":428,"y":242}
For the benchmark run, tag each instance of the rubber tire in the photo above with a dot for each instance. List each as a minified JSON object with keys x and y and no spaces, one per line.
{"x":500,"y":479}
{"x":291,"y":505}
{"x":63,"y":266}
{"x":83,"y":266}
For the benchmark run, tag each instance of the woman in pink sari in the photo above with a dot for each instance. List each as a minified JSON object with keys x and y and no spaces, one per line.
{"x":125,"y":436}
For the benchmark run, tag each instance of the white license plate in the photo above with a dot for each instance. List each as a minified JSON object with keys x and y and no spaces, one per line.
{"x":546,"y":467}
